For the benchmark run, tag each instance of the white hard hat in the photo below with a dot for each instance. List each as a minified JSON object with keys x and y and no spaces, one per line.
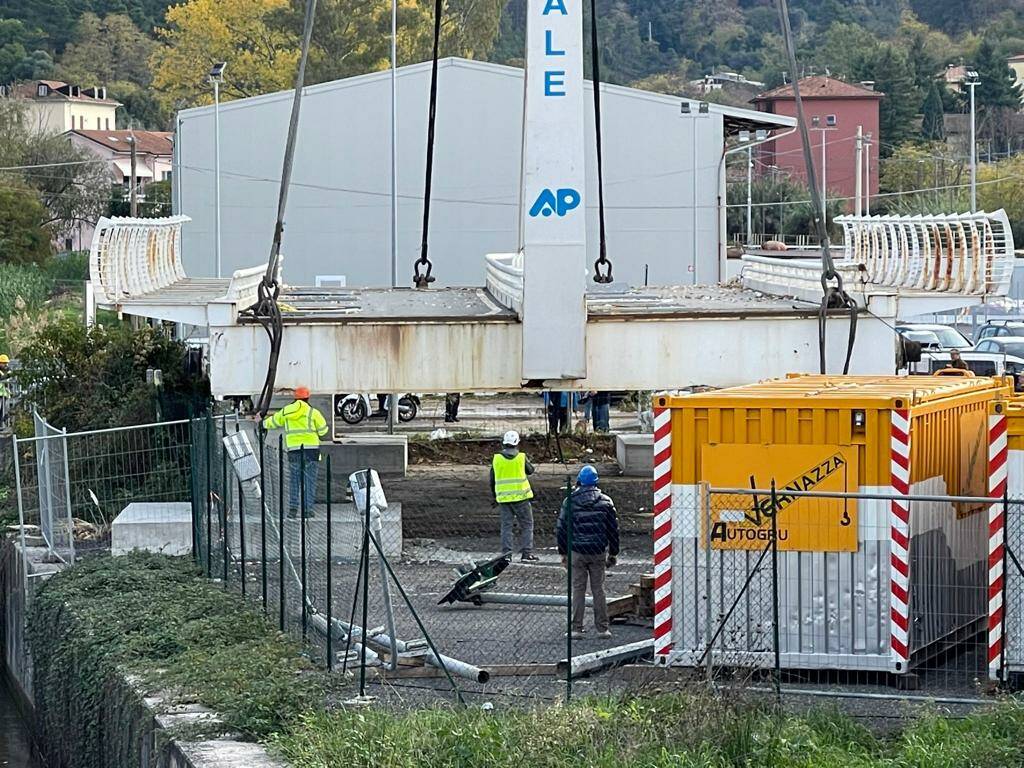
{"x":511,"y":438}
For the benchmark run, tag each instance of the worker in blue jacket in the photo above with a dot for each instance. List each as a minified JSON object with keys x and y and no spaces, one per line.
{"x":595,"y":546}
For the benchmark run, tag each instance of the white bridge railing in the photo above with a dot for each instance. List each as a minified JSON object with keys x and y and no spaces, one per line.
{"x":132,"y":257}
{"x":965,"y":253}
{"x":505,"y":279}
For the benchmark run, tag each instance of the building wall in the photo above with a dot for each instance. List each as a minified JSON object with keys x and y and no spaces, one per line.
{"x":840,"y":144}
{"x":59,"y":116}
{"x":659,"y":212}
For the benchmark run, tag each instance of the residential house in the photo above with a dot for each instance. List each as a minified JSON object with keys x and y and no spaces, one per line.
{"x":834,"y":110}
{"x":153,"y":152}
{"x":55,"y":106}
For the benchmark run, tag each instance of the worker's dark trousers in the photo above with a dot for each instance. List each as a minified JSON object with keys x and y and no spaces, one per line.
{"x":588,"y":568}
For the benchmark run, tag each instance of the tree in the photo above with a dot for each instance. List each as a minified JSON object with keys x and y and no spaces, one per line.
{"x":89,"y":378}
{"x":20,"y":57}
{"x":997,"y":84}
{"x":71,"y":183}
{"x":22,"y":238}
{"x":932,"y":125}
{"x":261,"y":56}
{"x":107,"y":50}
{"x":892,"y":74}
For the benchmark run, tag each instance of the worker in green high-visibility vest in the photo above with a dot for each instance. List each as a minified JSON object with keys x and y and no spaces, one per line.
{"x":303,"y":427}
{"x":512,"y":492}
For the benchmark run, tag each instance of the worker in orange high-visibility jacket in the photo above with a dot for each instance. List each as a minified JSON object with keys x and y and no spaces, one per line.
{"x":303,"y":427}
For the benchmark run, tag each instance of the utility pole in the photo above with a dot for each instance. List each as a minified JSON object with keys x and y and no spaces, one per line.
{"x":858,"y":193}
{"x":134,"y":186}
{"x":971,"y":83}
{"x":750,"y":206}
{"x":216,"y":78}
{"x":394,"y":151}
{"x":867,"y":175}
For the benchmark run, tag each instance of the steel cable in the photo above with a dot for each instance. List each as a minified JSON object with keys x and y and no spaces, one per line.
{"x":424,"y":279}
{"x":602,"y":262}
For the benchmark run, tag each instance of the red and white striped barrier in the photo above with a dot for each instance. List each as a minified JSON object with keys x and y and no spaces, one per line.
{"x":662,"y":531}
{"x":997,"y":478}
{"x":899,"y":520}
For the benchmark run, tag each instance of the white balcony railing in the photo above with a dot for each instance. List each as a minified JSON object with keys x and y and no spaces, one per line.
{"x":965,"y":253}
{"x":133,"y":257}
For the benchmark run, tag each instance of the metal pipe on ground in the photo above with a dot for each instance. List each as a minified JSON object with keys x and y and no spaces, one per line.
{"x":511,"y":598}
{"x":383,"y":641}
{"x":608,"y":657}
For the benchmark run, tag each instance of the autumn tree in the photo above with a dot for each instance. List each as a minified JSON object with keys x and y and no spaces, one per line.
{"x":107,"y":50}
{"x":353,"y":37}
{"x":261,"y":55}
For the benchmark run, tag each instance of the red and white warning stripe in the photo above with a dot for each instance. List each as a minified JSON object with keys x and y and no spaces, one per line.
{"x":997,"y":456}
{"x":899,"y":521}
{"x":662,"y":531}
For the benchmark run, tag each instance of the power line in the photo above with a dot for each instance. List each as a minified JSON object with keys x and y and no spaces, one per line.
{"x":48,"y":165}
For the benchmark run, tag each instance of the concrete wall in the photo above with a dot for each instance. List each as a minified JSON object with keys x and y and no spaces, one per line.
{"x":660,"y":179}
{"x":135,"y":725}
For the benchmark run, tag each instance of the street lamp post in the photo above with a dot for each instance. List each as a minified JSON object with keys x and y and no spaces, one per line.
{"x":216,"y":77}
{"x":971,"y":83}
{"x":817,"y":126}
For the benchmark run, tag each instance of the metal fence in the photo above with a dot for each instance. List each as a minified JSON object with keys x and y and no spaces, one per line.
{"x":869,"y":595}
{"x":431,"y":584}
{"x":73,"y":485}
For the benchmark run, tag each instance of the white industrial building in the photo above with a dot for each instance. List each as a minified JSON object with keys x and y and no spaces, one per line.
{"x":664,"y":178}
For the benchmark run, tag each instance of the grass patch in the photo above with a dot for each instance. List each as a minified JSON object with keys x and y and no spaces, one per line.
{"x":157,"y":618}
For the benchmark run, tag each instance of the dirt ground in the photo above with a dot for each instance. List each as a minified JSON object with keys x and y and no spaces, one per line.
{"x":539,"y":448}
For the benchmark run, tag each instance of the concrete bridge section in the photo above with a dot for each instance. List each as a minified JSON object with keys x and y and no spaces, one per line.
{"x":471,"y":339}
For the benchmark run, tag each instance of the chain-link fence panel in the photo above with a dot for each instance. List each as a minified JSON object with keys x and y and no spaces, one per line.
{"x":448,"y":582}
{"x":833,"y":593}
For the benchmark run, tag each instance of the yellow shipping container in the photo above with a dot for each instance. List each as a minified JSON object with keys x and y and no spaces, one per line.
{"x":852,"y":595}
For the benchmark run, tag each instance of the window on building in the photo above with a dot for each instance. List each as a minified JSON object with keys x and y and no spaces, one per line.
{"x":98,"y":126}
{"x":43,"y":90}
{"x":81,"y":122}
{"x":107,"y":126}
{"x":331,"y":281}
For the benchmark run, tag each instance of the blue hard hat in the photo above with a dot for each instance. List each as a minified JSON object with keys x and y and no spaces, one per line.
{"x":587,"y":475}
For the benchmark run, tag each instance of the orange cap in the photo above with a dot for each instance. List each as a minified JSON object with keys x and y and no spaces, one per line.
{"x":302,"y":393}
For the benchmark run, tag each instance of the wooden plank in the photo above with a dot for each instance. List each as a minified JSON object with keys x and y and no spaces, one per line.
{"x":621,"y":606}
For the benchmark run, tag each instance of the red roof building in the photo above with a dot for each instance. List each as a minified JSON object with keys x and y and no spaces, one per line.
{"x":834,"y":109}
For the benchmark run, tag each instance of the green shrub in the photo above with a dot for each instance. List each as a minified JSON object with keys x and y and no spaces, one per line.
{"x":27,"y":283}
{"x":23,"y":240}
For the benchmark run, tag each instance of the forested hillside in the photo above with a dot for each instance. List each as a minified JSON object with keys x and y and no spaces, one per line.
{"x":152,"y":54}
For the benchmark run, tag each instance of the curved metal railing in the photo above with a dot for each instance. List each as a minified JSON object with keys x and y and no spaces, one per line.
{"x":967,"y":253}
{"x":132,"y":257}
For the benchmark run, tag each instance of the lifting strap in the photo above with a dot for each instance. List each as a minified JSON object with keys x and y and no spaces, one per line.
{"x":425,"y":278}
{"x":266,"y":311}
{"x":833,"y":296}
{"x":602,"y":263}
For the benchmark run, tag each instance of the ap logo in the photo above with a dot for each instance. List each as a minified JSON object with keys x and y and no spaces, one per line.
{"x":560,"y":202}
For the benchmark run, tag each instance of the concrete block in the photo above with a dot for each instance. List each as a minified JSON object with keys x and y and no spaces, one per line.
{"x":153,"y":526}
{"x":346,"y":533}
{"x":388,"y":454}
{"x":635,"y":454}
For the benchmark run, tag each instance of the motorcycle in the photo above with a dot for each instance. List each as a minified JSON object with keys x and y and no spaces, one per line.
{"x":354,"y":408}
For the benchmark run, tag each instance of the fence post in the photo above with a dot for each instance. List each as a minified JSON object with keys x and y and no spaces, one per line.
{"x":67,"y":495}
{"x":263,"y":519}
{"x":209,"y":494}
{"x":280,"y":529}
{"x":330,"y":592}
{"x":366,"y":584}
{"x":302,"y":534}
{"x":194,"y":485}
{"x":709,"y":607}
{"x":224,"y":500}
{"x":1006,"y":551}
{"x":568,"y":591}
{"x":21,"y":534}
{"x":777,"y":672}
{"x":241,"y":521}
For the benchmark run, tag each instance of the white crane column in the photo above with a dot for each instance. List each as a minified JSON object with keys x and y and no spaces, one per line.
{"x":554,"y":314}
